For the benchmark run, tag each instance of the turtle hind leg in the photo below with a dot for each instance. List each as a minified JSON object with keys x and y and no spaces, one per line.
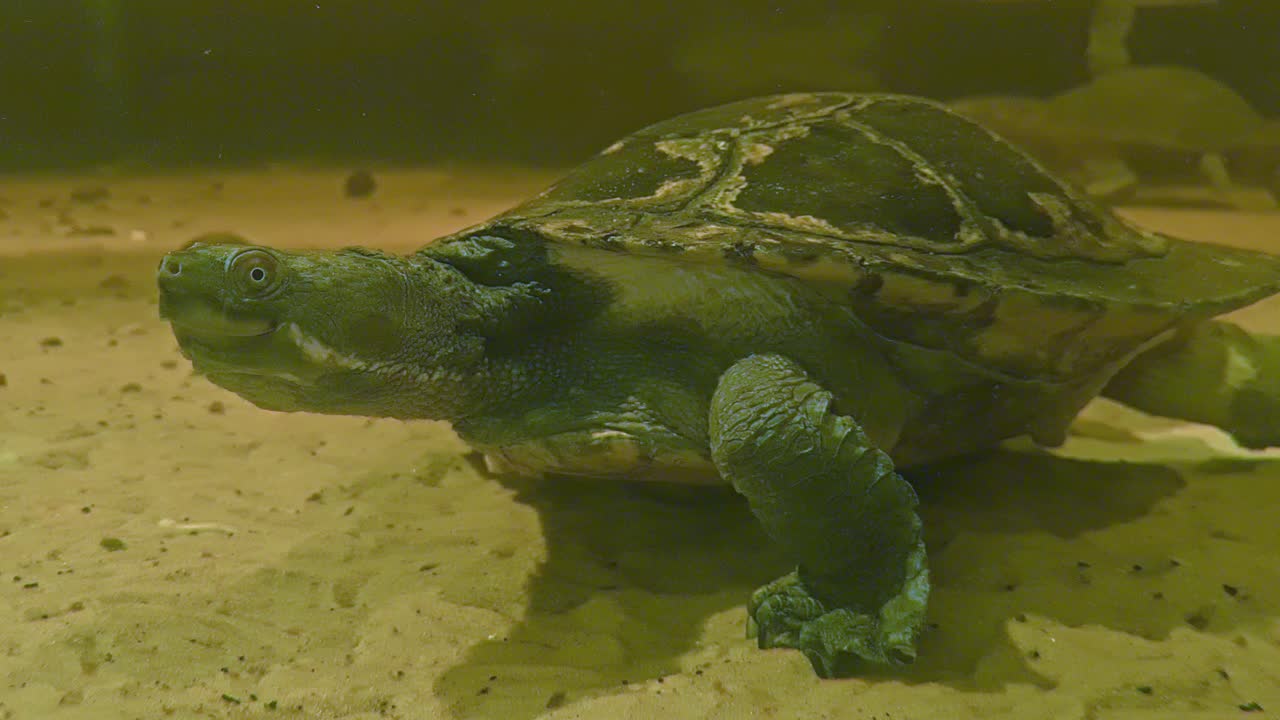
{"x":1214,"y":373}
{"x":835,"y":504}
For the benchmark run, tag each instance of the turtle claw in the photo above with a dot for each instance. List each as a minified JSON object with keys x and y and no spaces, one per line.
{"x":837,"y":637}
{"x":779,"y":612}
{"x":838,"y":641}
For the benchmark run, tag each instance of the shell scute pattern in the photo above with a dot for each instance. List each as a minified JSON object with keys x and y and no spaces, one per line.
{"x":862,"y":168}
{"x":854,"y":187}
{"x":937,"y":232}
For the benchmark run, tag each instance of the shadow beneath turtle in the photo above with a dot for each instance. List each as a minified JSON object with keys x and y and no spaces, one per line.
{"x":1008,"y":535}
{"x":633,"y":572}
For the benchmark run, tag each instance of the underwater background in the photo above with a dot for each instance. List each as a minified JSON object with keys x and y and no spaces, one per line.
{"x":150,"y":83}
{"x":168,"y":550}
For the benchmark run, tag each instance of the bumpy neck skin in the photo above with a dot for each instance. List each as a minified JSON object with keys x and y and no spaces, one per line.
{"x":352,"y":332}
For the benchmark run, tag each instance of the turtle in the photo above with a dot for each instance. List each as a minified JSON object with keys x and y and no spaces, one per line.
{"x":799,"y":295}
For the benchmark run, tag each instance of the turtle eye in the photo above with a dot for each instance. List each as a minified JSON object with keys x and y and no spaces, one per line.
{"x":255,"y":272}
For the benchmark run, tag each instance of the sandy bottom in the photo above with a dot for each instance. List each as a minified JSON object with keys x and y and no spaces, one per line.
{"x":167,"y":550}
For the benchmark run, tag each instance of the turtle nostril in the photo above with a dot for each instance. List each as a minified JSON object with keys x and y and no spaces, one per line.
{"x":171,"y":267}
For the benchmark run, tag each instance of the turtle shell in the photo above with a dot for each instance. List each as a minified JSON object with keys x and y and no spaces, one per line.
{"x":939,"y":233}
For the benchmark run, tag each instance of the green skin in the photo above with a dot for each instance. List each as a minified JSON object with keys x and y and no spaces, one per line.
{"x":586,"y":362}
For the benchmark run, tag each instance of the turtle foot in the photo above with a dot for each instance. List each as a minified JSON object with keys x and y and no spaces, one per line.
{"x":838,"y":641}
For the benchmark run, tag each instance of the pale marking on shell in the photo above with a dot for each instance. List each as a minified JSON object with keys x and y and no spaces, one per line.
{"x":804,"y":223}
{"x":864,"y":102}
{"x":1067,"y":231}
{"x":791,"y":100}
{"x":727,"y":190}
{"x":1150,"y":242}
{"x":783,"y":133}
{"x":614,"y":147}
{"x":694,"y":150}
{"x":971,"y":230}
{"x":572,"y":229}
{"x":710,"y":230}
{"x":1059,"y":214}
{"x":671,"y":187}
{"x":755,"y":153}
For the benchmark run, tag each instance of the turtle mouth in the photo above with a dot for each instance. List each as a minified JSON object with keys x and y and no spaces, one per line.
{"x":250,"y":365}
{"x":215,"y":327}
{"x":201,"y":320}
{"x":227,"y":349}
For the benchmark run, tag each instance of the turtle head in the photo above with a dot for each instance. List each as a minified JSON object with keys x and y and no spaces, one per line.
{"x":348,"y":332}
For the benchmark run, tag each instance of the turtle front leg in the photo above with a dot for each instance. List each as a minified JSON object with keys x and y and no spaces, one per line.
{"x":835,"y":504}
{"x":1212,"y":372}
